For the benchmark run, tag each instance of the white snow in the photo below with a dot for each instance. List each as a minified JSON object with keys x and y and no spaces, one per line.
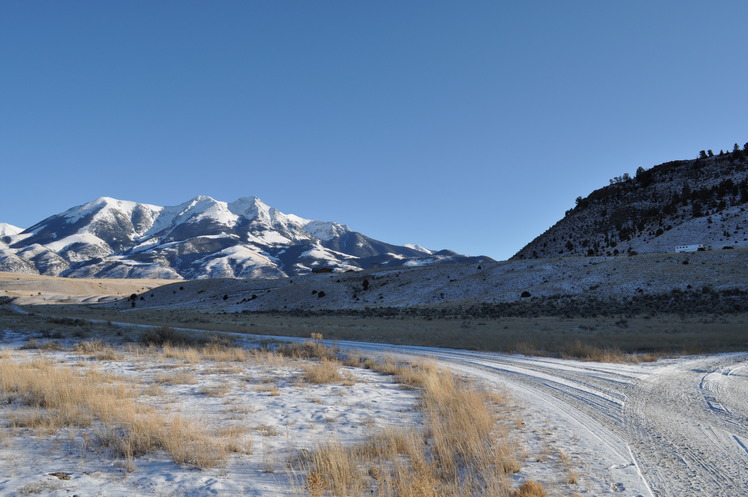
{"x":104,"y":208}
{"x":324,"y":230}
{"x":419,"y":262}
{"x":281,"y":415}
{"x":33,"y":250}
{"x":217,"y":212}
{"x":87,"y":238}
{"x":9,"y":230}
{"x":20,"y":237}
{"x":268,"y":238}
{"x":240,"y":261}
{"x":322,"y":253}
{"x":419,"y":248}
{"x":253,"y":223}
{"x":250,"y":208}
{"x":200,"y":207}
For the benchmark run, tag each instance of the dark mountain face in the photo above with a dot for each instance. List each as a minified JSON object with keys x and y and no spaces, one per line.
{"x":692,"y":202}
{"x":201,"y":238}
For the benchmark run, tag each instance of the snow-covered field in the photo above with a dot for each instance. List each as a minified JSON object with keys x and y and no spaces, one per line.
{"x":267,"y":409}
{"x":677,"y":427}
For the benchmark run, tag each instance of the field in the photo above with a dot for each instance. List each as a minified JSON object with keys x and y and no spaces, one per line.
{"x":259,"y":403}
{"x":663,"y":334}
{"x":93,"y":408}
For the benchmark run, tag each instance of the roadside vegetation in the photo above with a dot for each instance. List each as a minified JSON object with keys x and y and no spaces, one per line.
{"x":467,"y":444}
{"x":689,"y":321}
{"x":464,"y":449}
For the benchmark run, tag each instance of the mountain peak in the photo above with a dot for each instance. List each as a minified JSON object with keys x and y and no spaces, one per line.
{"x":249,"y":207}
{"x":9,"y":230}
{"x":200,"y":238}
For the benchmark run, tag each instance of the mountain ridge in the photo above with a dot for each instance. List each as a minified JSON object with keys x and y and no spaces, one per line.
{"x":199,"y":238}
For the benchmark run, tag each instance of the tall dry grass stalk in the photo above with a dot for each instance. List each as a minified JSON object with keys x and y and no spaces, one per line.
{"x":61,"y":396}
{"x":462,"y":452}
{"x":211,"y":352}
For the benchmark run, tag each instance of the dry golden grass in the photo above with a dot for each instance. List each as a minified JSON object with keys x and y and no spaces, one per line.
{"x":96,"y":349}
{"x":310,"y":349}
{"x":60,"y":396}
{"x":271,"y":390}
{"x":187,"y":354}
{"x":268,"y":431}
{"x":337,"y":468}
{"x":177,"y":378}
{"x":48,"y":345}
{"x":530,"y":489}
{"x":213,"y":351}
{"x":268,"y":357}
{"x":215,"y":390}
{"x":572,"y":477}
{"x":154,"y":390}
{"x":462,"y":451}
{"x":238,"y":439}
{"x":322,"y":372}
{"x":589,"y":352}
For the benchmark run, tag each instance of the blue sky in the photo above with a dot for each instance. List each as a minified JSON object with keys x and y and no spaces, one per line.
{"x":464,"y":125}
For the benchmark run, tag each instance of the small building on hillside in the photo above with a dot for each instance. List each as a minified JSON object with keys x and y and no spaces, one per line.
{"x":322,"y":270}
{"x":695,"y":247}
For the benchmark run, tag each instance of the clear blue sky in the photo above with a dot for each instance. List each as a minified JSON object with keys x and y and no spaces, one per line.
{"x":469,"y":125}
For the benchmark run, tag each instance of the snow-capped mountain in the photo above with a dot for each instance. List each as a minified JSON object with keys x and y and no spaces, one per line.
{"x":200,"y":238}
{"x":9,"y":230}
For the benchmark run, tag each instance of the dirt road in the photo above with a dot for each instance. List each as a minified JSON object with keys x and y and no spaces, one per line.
{"x":675,"y":428}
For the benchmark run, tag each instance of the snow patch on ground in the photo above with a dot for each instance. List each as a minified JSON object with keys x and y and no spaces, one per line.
{"x":282,"y":414}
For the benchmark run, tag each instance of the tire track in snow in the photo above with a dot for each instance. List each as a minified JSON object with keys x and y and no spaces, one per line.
{"x":685,"y":444}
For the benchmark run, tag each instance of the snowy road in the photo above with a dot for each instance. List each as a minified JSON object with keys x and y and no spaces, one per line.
{"x":676,"y":428}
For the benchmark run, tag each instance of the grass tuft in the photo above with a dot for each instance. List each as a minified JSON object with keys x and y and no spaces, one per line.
{"x":60,"y":396}
{"x":530,"y":488}
{"x":323,"y":372}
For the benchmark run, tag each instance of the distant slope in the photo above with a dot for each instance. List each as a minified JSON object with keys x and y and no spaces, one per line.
{"x":200,"y":238}
{"x":25,"y":289}
{"x":702,"y":201}
{"x":608,"y":279}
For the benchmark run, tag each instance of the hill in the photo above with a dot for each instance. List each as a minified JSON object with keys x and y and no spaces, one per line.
{"x":702,"y":201}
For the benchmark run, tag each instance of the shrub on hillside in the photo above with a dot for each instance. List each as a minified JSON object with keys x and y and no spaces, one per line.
{"x":165,"y":335}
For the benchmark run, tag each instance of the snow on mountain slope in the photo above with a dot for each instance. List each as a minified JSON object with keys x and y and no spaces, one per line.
{"x":323,"y":230}
{"x":9,"y":230}
{"x":419,"y":248}
{"x":10,"y":262}
{"x":200,"y":238}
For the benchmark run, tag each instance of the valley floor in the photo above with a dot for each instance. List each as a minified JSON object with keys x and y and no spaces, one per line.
{"x":676,"y":427}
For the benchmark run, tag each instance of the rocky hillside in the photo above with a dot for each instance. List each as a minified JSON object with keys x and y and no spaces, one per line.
{"x":702,"y":201}
{"x":201,"y":238}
